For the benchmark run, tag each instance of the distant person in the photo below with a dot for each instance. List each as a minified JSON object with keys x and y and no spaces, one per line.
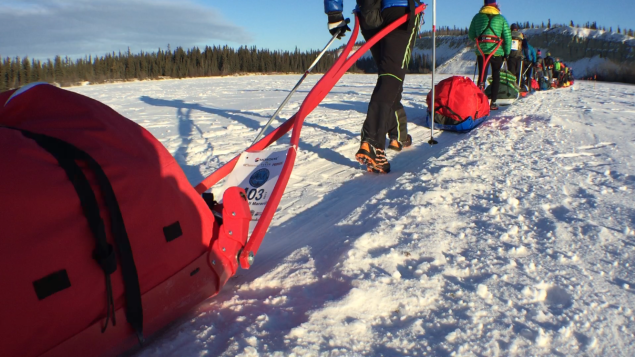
{"x":564,"y":70}
{"x":565,"y":77}
{"x":516,"y":53}
{"x":557,"y":65}
{"x":539,"y":68}
{"x":549,"y":63}
{"x":530,"y":60}
{"x":386,"y":114}
{"x":491,"y":31}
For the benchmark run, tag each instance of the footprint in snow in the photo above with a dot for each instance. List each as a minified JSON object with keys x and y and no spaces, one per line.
{"x":558,"y":300}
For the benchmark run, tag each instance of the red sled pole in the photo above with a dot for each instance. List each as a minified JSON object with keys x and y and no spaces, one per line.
{"x":286,"y":100}
{"x":312,"y":100}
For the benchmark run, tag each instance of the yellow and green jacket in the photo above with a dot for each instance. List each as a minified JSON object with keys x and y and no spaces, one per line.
{"x":499,"y":26}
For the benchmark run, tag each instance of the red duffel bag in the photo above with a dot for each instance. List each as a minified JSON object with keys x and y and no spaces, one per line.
{"x":103,"y":240}
{"x":459,"y":104}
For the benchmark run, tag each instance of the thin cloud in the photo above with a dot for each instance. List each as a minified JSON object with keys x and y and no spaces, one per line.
{"x":45,"y":28}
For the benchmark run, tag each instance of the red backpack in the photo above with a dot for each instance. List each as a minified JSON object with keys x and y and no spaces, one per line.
{"x":458,"y":99}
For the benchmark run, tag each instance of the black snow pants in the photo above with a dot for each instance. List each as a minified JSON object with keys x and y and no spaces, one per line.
{"x":496,"y":62}
{"x":386,"y":114}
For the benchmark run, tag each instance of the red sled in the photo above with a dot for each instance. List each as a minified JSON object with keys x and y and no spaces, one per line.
{"x":104,"y":241}
{"x":534,"y":84}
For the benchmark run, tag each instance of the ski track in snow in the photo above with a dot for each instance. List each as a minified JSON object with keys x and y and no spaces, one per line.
{"x":515,"y":238}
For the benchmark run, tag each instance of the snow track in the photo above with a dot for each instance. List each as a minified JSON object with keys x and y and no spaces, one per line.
{"x":515,"y":238}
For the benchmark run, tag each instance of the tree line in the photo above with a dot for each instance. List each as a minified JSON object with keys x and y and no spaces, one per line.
{"x":177,"y":63}
{"x":211,"y":61}
{"x":419,"y":63}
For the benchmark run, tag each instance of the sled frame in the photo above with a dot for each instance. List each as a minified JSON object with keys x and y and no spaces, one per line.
{"x":312,"y":100}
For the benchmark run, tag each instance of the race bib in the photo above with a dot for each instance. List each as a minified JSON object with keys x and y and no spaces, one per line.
{"x":515,"y":45}
{"x":257,"y":173}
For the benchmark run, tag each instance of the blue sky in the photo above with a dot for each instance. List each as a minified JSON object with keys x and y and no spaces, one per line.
{"x":302,"y":22}
{"x":44,"y":28}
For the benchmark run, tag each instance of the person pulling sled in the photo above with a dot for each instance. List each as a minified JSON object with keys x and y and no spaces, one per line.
{"x":516,"y":53}
{"x":539,"y":68}
{"x":529,"y":53}
{"x":557,"y":67}
{"x":386,"y":114}
{"x":493,"y":39}
{"x":549,"y":64}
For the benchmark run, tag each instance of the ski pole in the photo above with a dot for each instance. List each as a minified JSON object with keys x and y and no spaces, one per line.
{"x":306,"y":73}
{"x":434,"y":65}
{"x":475,"y":67}
{"x":527,"y":69}
{"x":523,"y":76}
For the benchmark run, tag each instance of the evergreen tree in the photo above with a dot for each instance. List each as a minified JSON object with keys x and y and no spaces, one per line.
{"x":58,"y":72}
{"x":3,"y":80}
{"x":25,"y":71}
{"x":14,"y":81}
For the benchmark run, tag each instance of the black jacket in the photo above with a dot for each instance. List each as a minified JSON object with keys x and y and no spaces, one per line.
{"x":549,"y":62}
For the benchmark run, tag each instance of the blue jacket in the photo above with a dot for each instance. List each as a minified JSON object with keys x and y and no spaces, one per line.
{"x":338,"y":6}
{"x":530,"y":53}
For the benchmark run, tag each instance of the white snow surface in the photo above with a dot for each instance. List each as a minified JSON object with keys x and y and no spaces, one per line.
{"x":517,"y":238}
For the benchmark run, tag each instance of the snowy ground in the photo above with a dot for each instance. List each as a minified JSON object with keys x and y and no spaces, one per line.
{"x":516,"y":238}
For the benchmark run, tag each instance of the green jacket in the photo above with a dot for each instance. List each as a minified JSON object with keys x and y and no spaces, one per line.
{"x":500,"y":26}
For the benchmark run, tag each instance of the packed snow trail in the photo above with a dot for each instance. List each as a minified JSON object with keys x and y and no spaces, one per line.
{"x":515,"y":238}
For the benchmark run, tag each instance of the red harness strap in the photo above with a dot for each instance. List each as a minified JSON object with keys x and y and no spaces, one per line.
{"x":487,"y":39}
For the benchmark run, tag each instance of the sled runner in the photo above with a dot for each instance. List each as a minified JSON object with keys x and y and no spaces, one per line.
{"x":459,"y":105}
{"x":104,"y":241}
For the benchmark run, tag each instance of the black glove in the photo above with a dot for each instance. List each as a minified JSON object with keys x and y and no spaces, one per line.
{"x":505,"y":58}
{"x":337,"y":24}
